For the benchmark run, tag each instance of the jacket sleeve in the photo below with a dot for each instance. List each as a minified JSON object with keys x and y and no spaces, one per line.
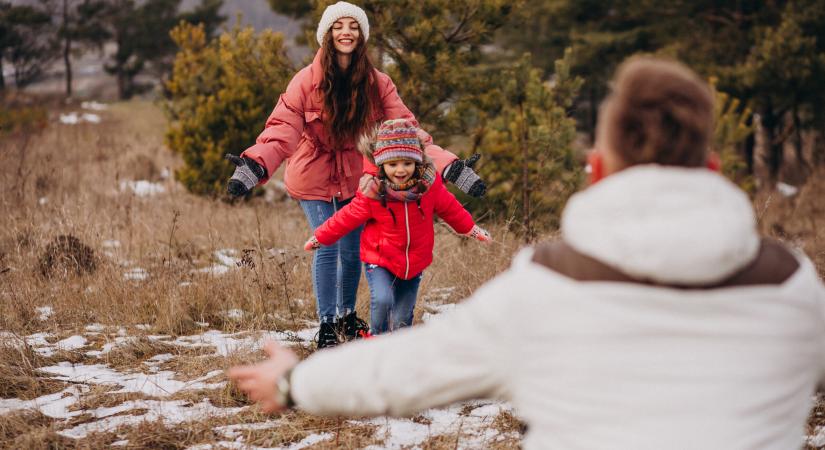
{"x":282,"y":132}
{"x":455,"y":356}
{"x":450,"y":210}
{"x":394,"y":108}
{"x":345,"y":220}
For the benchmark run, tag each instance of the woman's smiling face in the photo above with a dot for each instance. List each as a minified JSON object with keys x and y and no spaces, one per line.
{"x":345,"y":32}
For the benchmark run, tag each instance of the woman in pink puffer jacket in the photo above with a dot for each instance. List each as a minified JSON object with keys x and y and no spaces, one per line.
{"x":314,"y":126}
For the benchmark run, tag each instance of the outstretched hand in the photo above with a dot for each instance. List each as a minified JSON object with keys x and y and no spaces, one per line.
{"x":480,"y":234}
{"x":461,"y":174}
{"x":247,"y":175}
{"x":260,"y":381}
{"x":312,"y":244}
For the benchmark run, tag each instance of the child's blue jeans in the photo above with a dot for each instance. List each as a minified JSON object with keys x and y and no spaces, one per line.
{"x":336,"y":268}
{"x":392,"y":299}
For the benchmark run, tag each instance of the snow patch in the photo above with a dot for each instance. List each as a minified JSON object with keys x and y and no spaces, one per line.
{"x":170,"y":412}
{"x":44,"y":312}
{"x":159,"y":384}
{"x":136,"y":274}
{"x":111,"y":243}
{"x":786,"y":189}
{"x":94,"y":106}
{"x":74,"y":118}
{"x":142,"y":188}
{"x":475,"y":428}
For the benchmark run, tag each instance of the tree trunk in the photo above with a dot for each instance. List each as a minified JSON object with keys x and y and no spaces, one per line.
{"x":67,"y":48}
{"x":594,"y":116}
{"x":122,"y":84}
{"x":750,"y":146}
{"x":800,"y":157}
{"x":771,"y":124}
{"x":525,"y":175}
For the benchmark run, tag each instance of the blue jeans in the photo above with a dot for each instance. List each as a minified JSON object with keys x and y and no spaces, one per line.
{"x":392,"y":299}
{"x":336,"y":268}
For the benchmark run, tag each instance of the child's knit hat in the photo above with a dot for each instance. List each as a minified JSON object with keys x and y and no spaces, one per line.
{"x":337,"y":11}
{"x":395,"y":140}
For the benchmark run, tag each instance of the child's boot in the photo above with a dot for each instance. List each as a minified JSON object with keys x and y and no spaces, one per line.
{"x":355,"y":327}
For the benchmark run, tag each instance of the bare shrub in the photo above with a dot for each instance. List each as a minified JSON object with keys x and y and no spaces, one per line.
{"x":66,"y":254}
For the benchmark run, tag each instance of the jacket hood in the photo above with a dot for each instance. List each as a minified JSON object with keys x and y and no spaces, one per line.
{"x":664,"y":224}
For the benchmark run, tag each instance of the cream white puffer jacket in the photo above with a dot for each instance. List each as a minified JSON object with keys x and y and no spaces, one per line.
{"x":607,"y":365}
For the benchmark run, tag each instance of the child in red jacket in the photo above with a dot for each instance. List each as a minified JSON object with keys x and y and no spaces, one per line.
{"x":398,"y":207}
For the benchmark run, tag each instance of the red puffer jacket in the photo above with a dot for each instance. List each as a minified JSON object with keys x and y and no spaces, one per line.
{"x":398,"y":237}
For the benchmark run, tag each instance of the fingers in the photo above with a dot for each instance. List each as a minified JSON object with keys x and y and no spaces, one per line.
{"x":239,"y":373}
{"x":236,"y":160}
{"x":478,"y":189}
{"x":472,"y":160}
{"x":272,"y":348}
{"x":311,"y":244}
{"x":236,"y":188}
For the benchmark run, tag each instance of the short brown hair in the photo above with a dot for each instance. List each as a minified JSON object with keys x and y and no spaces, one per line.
{"x":658,"y":112}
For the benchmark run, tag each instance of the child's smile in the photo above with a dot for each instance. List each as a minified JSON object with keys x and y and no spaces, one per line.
{"x":399,"y":172}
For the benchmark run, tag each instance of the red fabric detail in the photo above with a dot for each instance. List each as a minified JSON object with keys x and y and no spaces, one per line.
{"x":384,"y":240}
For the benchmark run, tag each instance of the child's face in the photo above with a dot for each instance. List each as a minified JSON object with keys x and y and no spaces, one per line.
{"x":399,"y":171}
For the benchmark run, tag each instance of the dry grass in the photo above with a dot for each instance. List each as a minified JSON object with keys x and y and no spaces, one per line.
{"x":18,"y":365}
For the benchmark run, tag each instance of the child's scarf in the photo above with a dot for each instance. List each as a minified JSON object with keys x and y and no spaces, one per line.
{"x":411,"y":191}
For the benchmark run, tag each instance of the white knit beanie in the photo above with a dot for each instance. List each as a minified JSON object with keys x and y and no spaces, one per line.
{"x":337,"y":11}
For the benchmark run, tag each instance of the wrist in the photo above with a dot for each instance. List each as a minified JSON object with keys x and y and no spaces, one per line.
{"x":284,"y":386}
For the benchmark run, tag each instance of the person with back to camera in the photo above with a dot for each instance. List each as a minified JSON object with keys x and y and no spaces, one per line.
{"x":397,"y":206}
{"x":326,"y":106}
{"x":660,"y":319}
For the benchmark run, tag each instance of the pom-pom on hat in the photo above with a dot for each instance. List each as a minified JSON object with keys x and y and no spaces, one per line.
{"x":395,"y":140}
{"x":337,"y":11}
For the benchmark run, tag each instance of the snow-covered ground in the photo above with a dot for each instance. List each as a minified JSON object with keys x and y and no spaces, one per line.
{"x":157,"y":389}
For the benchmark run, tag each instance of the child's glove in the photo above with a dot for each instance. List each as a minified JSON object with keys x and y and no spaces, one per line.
{"x":247,"y":175}
{"x":312,"y":244}
{"x":479,"y":234}
{"x":461,"y":174}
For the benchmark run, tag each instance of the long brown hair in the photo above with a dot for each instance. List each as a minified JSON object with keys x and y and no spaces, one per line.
{"x":351,"y":95}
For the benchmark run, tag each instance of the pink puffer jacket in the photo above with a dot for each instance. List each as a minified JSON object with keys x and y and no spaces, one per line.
{"x":295,"y":132}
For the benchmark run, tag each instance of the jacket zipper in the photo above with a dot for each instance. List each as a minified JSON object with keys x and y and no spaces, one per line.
{"x":407,"y":250}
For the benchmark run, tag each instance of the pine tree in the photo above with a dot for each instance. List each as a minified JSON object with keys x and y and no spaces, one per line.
{"x":219,"y":94}
{"x":26,"y":41}
{"x":531,"y":168}
{"x":141,"y":33}
{"x":82,"y":24}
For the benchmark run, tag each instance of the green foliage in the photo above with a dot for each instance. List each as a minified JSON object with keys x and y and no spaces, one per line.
{"x":141,"y":32}
{"x":21,"y":120}
{"x":219,"y":95}
{"x":26,"y":41}
{"x":530,"y":166}
{"x":732,"y":128}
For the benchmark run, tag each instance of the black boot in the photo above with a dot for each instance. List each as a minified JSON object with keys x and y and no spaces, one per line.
{"x":354,"y":327}
{"x":326,"y":336}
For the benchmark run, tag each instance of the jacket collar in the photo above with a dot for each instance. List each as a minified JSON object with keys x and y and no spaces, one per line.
{"x":669,"y":225}
{"x":316,"y":69}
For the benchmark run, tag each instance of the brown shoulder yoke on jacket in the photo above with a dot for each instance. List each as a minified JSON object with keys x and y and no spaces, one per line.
{"x":773,"y":265}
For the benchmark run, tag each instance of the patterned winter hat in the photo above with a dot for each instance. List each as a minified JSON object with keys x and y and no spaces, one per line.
{"x":395,"y":140}
{"x":337,"y":11}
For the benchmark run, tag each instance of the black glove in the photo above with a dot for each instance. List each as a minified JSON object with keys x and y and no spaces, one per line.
{"x":247,"y":175}
{"x":461,"y":174}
